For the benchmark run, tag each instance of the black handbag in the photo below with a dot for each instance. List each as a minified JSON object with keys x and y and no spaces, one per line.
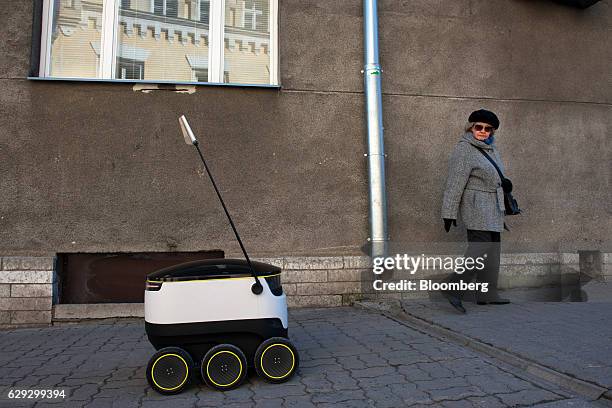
{"x":510,"y":204}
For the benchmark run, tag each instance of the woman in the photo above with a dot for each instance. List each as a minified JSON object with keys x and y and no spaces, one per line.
{"x":474,"y":190}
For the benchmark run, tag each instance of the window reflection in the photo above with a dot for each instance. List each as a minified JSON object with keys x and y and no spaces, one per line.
{"x":247,"y":41}
{"x":159,"y":40}
{"x":165,"y":8}
{"x":75,"y":26}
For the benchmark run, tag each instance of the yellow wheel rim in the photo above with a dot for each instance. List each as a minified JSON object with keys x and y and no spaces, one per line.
{"x":292,"y":361}
{"x":208,"y":367}
{"x":182,"y":382}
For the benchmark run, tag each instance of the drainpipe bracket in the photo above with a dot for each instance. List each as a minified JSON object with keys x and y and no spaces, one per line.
{"x":372,"y":69}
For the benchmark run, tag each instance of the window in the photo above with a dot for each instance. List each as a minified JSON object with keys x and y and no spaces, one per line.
{"x":131,"y":69}
{"x":166,"y":7}
{"x":220,"y":41}
{"x":253,"y":15}
{"x":204,"y":8}
{"x":246,"y":39}
{"x":201,"y":75}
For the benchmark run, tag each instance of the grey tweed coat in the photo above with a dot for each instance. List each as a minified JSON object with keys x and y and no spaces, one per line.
{"x":473,"y":187}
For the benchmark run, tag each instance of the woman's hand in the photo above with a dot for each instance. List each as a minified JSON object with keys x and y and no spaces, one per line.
{"x":448,"y":222}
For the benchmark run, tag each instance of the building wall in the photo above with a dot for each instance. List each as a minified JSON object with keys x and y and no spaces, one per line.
{"x":90,"y":167}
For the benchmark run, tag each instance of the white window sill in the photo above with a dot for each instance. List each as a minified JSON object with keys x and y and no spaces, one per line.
{"x":135,"y":81}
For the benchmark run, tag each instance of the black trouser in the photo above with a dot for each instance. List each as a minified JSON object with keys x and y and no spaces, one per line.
{"x":485,"y":244}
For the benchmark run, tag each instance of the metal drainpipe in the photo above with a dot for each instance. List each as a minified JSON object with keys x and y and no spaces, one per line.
{"x":376,"y":151}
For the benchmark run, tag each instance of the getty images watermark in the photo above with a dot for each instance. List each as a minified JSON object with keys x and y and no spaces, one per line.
{"x":412,"y":264}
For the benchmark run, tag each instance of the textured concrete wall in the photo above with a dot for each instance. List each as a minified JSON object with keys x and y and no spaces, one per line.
{"x":101,"y":167}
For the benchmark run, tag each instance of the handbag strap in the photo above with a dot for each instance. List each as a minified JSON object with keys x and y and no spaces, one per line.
{"x":492,"y":162}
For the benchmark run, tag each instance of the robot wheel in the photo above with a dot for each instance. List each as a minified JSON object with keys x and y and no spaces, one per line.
{"x":223,"y":367}
{"x":169,"y":370}
{"x":276,"y":360}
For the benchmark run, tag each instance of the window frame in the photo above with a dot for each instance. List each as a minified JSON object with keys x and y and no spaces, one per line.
{"x":108,"y":46}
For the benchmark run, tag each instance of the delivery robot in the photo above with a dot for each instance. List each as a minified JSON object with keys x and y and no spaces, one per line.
{"x":218,"y":318}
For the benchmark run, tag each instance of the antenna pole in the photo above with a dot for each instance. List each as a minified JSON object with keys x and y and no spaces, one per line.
{"x":257,"y":287}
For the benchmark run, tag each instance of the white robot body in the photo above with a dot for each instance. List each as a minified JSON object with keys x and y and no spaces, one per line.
{"x":212,"y":300}
{"x":197,"y":305}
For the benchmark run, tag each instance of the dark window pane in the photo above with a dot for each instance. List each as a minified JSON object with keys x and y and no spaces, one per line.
{"x":130,"y":69}
{"x":201,"y":75}
{"x":172,"y":8}
{"x":205,"y":11}
{"x":158,"y":7}
{"x":126,"y":4}
{"x":166,"y":7}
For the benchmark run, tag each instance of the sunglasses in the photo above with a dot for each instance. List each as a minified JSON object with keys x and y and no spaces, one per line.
{"x":487,"y":129}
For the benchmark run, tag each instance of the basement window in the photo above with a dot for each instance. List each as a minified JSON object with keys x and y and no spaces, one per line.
{"x":114,"y":277}
{"x":157,"y":41}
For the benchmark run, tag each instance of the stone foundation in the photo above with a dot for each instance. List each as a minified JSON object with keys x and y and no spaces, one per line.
{"x":26,"y":291}
{"x":322,"y":281}
{"x":27,"y":284}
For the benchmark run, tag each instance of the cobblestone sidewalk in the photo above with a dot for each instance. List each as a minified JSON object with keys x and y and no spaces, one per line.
{"x":349,"y":358}
{"x":574,"y":338}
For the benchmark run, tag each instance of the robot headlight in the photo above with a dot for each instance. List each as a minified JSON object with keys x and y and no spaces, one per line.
{"x":153,"y":285}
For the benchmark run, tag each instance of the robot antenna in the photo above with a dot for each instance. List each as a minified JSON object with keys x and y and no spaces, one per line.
{"x":190,"y":138}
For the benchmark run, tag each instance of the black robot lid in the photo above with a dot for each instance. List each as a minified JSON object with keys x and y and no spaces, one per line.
{"x":213,"y":269}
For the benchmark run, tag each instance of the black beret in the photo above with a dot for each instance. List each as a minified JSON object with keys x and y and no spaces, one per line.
{"x":484,"y":116}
